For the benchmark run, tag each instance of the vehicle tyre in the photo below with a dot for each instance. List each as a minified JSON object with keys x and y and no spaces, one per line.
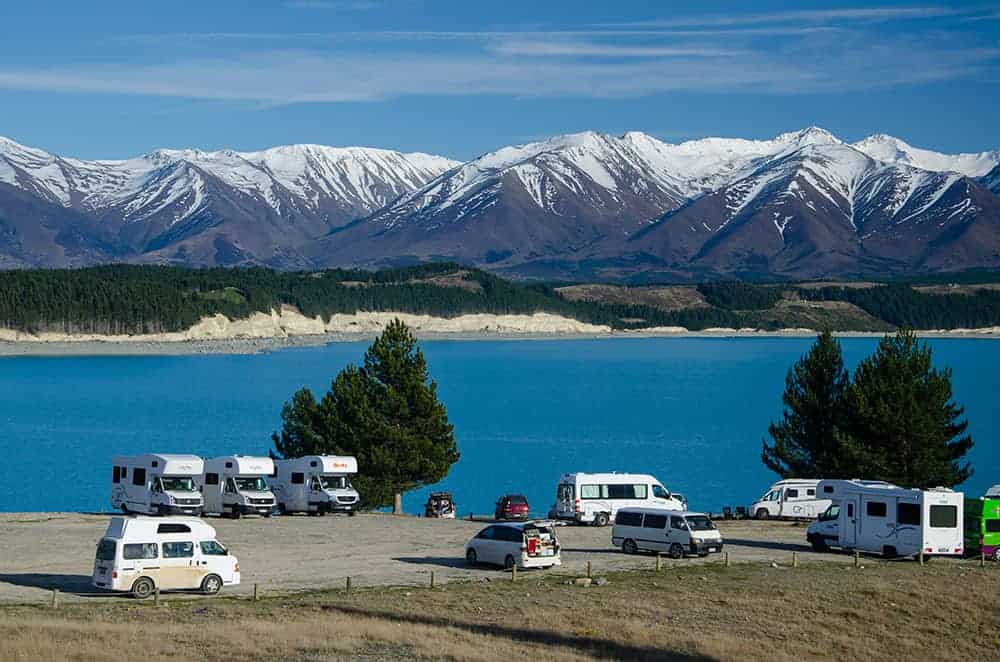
{"x":313,"y":513}
{"x":235,"y":514}
{"x":601,"y":519}
{"x":889,"y":552}
{"x":819,"y":545}
{"x":266,"y":513}
{"x":762,"y":514}
{"x":143,"y":588}
{"x":676,"y":551}
{"x":508,"y":562}
{"x":282,"y":510}
{"x":470,"y":556}
{"x":629,"y":546}
{"x":703,"y":555}
{"x":211,"y":584}
{"x":124,"y":509}
{"x":351,"y":513}
{"x":996,"y":554}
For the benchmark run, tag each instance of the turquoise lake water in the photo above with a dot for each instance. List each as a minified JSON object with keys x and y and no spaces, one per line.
{"x":691,"y":411}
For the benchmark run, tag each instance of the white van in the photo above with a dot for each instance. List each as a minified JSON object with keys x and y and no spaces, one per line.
{"x":157,"y":484}
{"x":893,"y":521}
{"x":236,"y":485}
{"x":524,"y":544}
{"x":677,"y":532}
{"x":793,"y":498}
{"x":316,"y":484}
{"x":140,"y":554}
{"x":595,"y":498}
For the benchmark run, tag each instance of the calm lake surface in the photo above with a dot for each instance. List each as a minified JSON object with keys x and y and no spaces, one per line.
{"x":691,"y":411}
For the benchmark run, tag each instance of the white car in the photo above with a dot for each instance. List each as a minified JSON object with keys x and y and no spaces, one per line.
{"x":524,"y":544}
{"x":678,"y":533}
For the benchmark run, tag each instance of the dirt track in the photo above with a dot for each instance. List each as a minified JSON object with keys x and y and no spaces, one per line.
{"x":44,"y":551}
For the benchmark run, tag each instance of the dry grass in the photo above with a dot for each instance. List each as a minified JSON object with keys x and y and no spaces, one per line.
{"x":668,"y":298}
{"x":884,"y":611}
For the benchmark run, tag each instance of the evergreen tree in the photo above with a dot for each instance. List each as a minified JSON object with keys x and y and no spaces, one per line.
{"x":806,"y":439}
{"x":902,"y":424}
{"x":385,"y":413}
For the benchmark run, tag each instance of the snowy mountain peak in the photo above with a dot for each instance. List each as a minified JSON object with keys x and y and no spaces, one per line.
{"x":890,"y":149}
{"x":812,"y":135}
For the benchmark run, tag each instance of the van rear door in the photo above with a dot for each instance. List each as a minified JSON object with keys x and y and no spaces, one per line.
{"x":943,"y":532}
{"x":565,"y":499}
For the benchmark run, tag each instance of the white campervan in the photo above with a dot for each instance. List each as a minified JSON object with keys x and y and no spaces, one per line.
{"x":141,"y":554}
{"x":793,"y":498}
{"x":315,"y":484}
{"x":595,"y":498}
{"x":879,"y":517}
{"x":677,"y":532}
{"x":157,"y":484}
{"x":236,"y":485}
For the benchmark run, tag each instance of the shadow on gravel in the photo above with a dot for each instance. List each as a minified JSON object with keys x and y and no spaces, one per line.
{"x":581,"y":644}
{"x":765,"y":544}
{"x":74,"y":584}
{"x":443,"y":561}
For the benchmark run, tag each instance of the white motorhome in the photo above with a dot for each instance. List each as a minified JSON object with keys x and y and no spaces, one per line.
{"x":316,"y":484}
{"x":141,"y":554}
{"x":790,"y":499}
{"x":157,"y":484}
{"x":879,"y":517}
{"x":595,"y":498}
{"x":677,"y":532}
{"x":236,"y":485}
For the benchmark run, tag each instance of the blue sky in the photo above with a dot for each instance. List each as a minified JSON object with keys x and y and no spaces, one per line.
{"x":114,"y":79}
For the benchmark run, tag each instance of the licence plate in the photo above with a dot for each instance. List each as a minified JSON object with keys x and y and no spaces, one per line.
{"x":713,"y":549}
{"x":102,"y":571}
{"x":944,"y":550}
{"x":547,"y":552}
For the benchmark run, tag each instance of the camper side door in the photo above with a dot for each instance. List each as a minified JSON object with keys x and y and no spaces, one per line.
{"x":849,"y":517}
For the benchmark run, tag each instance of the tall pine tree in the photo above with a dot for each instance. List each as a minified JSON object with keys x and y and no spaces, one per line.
{"x":385,"y":413}
{"x":806,"y":441}
{"x":902,"y":424}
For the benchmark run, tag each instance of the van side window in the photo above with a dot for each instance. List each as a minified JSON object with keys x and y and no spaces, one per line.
{"x":487,"y":533}
{"x":212,"y":548}
{"x":590,"y":491}
{"x":124,"y":473}
{"x":139,"y":477}
{"x":178,"y":550}
{"x":173,"y":528}
{"x":116,"y":475}
{"x":875,"y":509}
{"x":621,"y":491}
{"x":908,"y":513}
{"x":810,"y":492}
{"x":850,"y":510}
{"x":828,"y":489}
{"x":677,"y":523}
{"x":298,"y":478}
{"x":211,"y":479}
{"x":660,"y":493}
{"x":993,"y":526}
{"x":625,"y":518}
{"x":640,"y":491}
{"x":144,"y":550}
{"x":654,"y":522}
{"x":791,"y":494}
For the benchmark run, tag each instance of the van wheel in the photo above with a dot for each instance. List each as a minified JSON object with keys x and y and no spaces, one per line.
{"x":143,"y":588}
{"x":282,"y":510}
{"x":470,"y":556}
{"x":676,"y":551}
{"x":819,"y":545}
{"x":351,"y":513}
{"x":889,"y":552}
{"x":601,"y":519}
{"x":124,"y":509}
{"x":762,"y":514}
{"x":235,"y":514}
{"x":211,"y":584}
{"x":996,"y":554}
{"x":629,"y":547}
{"x":508,"y":562}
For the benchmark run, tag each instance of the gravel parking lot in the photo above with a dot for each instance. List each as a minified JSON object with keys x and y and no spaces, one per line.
{"x":44,"y":551}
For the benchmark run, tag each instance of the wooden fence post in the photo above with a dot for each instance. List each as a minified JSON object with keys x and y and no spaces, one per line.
{"x":857,"y":559}
{"x":726,"y":554}
{"x":156,"y":595}
{"x":921,"y":556}
{"x":432,"y":579}
{"x":659,"y":561}
{"x":347,"y":586}
{"x":255,"y":592}
{"x":55,"y":598}
{"x":513,"y":573}
{"x":982,"y":559}
{"x":590,"y":570}
{"x":795,"y":559}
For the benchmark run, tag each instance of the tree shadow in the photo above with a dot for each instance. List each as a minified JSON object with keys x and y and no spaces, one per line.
{"x":766,"y":544}
{"x":78,"y":585}
{"x":582,"y":644}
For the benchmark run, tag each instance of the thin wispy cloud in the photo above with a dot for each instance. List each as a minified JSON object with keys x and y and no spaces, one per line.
{"x":591,"y":49}
{"x":858,"y":14}
{"x":335,"y":5}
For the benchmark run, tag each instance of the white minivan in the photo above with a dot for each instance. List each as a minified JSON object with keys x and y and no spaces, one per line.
{"x":793,"y":498}
{"x":679,"y":533}
{"x":595,"y":498}
{"x":141,"y":554}
{"x":524,"y":544}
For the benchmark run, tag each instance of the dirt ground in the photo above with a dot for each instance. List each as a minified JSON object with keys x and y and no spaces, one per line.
{"x":41,"y":552}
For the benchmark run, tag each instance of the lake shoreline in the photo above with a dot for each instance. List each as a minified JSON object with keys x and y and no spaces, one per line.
{"x":125,"y":346}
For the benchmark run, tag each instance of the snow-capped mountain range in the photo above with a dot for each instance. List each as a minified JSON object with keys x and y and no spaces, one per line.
{"x":585,"y":205}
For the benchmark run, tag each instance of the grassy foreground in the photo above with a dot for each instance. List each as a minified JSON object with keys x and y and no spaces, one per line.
{"x":882,"y":611}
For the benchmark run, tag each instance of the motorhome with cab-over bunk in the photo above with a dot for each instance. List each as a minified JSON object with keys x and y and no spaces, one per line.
{"x":157,"y":484}
{"x":236,"y":485}
{"x":316,"y":484}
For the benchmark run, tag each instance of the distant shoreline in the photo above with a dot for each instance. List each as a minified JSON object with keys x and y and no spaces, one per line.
{"x":288,"y":329}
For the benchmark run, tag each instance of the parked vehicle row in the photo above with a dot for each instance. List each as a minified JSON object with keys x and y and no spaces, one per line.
{"x":233,"y":485}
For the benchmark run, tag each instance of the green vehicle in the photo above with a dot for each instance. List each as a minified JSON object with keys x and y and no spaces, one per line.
{"x":982,"y":527}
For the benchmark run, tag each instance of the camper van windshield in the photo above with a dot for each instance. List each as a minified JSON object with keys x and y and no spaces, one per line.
{"x":255,"y":484}
{"x":334,"y":482}
{"x":177,"y":483}
{"x":700,"y":523}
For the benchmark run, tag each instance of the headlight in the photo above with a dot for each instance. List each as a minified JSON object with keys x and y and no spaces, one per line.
{"x":170,"y":498}
{"x":698,"y":541}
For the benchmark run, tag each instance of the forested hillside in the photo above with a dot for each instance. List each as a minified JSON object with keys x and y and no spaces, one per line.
{"x":126,"y":299}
